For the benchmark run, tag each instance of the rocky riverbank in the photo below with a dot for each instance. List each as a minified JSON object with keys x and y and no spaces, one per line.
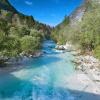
{"x":89,"y":65}
{"x":83,"y":61}
{"x":87,"y":75}
{"x":19,"y":59}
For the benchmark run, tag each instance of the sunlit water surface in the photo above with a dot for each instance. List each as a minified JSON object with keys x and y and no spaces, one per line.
{"x":43,"y":78}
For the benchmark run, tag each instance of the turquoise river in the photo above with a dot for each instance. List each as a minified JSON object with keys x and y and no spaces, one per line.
{"x":42,"y":78}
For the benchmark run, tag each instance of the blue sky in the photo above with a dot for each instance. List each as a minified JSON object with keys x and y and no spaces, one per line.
{"x":50,"y":12}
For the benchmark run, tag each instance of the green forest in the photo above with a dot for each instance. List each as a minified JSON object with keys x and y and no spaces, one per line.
{"x":49,"y":49}
{"x":23,"y":34}
{"x":85,"y":33}
{"x":19,"y":33}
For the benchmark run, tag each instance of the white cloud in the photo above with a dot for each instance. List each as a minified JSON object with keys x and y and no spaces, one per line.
{"x":28,"y":2}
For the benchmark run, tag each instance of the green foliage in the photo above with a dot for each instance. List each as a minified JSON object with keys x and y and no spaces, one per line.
{"x":2,"y":39}
{"x":9,"y":15}
{"x":36,"y":34}
{"x":85,"y":33}
{"x":19,"y":33}
{"x":90,"y":28}
{"x":10,"y":46}
{"x":2,"y":36}
{"x":24,"y":31}
{"x":59,"y":34}
{"x":66,"y":20}
{"x":30,"y":44}
{"x":97,"y":51}
{"x":14,"y":31}
{"x":3,"y":25}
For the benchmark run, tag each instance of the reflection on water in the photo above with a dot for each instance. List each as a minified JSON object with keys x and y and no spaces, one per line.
{"x":42,"y":78}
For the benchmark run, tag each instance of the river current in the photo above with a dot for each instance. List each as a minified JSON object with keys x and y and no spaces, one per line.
{"x":42,"y":78}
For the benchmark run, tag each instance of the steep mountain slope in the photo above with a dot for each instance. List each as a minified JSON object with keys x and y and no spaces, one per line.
{"x":4,"y":4}
{"x":19,"y":33}
{"x":63,"y":31}
{"x":11,"y":15}
{"x":82,"y":28}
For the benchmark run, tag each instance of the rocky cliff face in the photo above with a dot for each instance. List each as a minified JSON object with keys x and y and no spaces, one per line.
{"x":70,"y":24}
{"x":77,"y":15}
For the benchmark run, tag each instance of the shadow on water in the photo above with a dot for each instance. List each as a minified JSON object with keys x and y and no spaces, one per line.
{"x":31,"y":63}
{"x":14,"y":88}
{"x":45,"y":60}
{"x":27,"y":90}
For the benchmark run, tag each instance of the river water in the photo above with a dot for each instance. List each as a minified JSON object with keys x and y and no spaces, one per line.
{"x":43,"y":78}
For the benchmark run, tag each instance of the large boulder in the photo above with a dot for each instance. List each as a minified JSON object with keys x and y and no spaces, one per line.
{"x":60,"y":47}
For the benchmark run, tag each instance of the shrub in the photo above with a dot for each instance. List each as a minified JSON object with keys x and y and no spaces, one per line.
{"x":97,"y":52}
{"x":30,"y":44}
